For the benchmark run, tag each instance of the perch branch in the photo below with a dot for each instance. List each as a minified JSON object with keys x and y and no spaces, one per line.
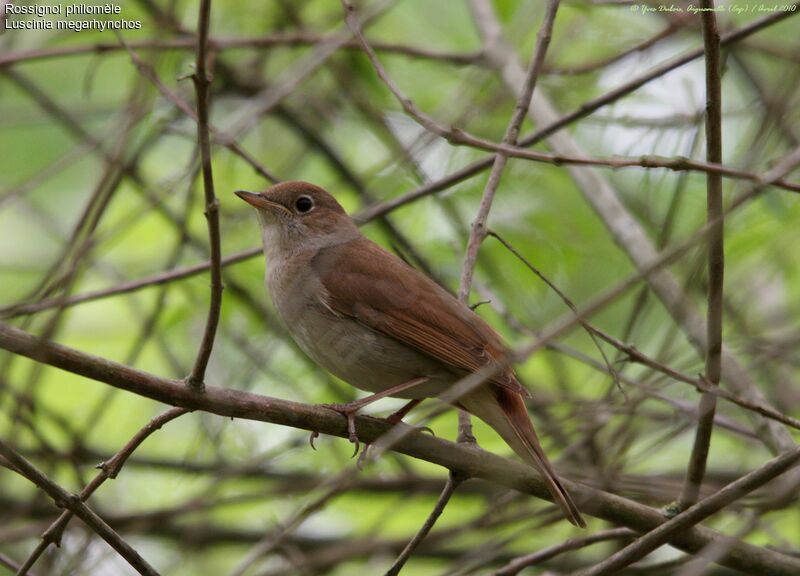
{"x":467,"y":460}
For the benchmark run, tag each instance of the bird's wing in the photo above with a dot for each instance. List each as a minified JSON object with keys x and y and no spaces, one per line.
{"x":367,"y":283}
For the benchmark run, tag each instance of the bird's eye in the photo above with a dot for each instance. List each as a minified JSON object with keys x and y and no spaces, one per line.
{"x":304,"y":204}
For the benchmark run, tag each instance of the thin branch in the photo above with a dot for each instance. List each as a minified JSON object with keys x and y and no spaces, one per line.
{"x":625,"y":228}
{"x":288,"y":38}
{"x":591,"y":330}
{"x":599,"y":64}
{"x":479,"y":229}
{"x":675,"y":164}
{"x":335,"y":487}
{"x":518,"y":564}
{"x":72,"y":502}
{"x":202,"y":80}
{"x":459,"y":137}
{"x":291,"y":78}
{"x":9,"y":563}
{"x":508,"y":148}
{"x":656,"y":538}
{"x":159,"y":279}
{"x":564,"y":121}
{"x":716,"y":260}
{"x":593,"y":105}
{"x":108,"y":470}
{"x":220,"y":137}
{"x":444,"y":498}
{"x":424,"y":120}
{"x":463,"y":459}
{"x":698,"y":565}
{"x":632,"y":354}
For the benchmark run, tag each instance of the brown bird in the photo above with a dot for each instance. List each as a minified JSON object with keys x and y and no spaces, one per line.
{"x":377,"y":323}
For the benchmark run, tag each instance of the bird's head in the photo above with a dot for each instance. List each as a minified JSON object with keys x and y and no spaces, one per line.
{"x":296,"y":216}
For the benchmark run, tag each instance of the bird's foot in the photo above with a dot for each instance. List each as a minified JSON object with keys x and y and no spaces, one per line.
{"x":348,"y":411}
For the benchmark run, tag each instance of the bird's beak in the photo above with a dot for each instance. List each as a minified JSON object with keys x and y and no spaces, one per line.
{"x":258,"y":201}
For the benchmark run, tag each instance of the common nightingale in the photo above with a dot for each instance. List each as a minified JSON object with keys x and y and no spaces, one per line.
{"x":377,"y":323}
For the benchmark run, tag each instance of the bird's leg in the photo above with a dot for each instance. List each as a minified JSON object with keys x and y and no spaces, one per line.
{"x":349,"y":410}
{"x":394,"y":418}
{"x":397,"y":417}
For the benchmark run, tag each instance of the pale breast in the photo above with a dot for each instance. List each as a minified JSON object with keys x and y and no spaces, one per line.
{"x":347,"y":349}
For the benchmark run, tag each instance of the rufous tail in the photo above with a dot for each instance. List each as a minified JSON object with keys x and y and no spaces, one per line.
{"x":504,"y":410}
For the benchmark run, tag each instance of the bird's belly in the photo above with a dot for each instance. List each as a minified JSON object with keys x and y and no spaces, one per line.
{"x":364,"y":358}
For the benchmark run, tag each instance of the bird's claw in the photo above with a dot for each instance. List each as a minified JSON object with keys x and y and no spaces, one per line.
{"x":311,"y":439}
{"x":348,"y":412}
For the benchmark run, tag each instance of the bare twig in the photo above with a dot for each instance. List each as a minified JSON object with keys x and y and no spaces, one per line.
{"x":126,"y":287}
{"x":716,"y":259}
{"x":564,"y":121}
{"x":508,"y":148}
{"x":444,"y":498}
{"x":627,"y":231}
{"x":632,"y":354}
{"x":635,"y":83}
{"x":108,"y":469}
{"x":518,"y":564}
{"x":269,"y":97}
{"x":73,"y":503}
{"x":479,"y":229}
{"x":464,"y":459}
{"x":202,"y":80}
{"x":9,"y":563}
{"x":600,"y":63}
{"x":640,"y":547}
{"x":591,"y":330}
{"x":220,"y":137}
{"x":333,"y":487}
{"x":289,"y":38}
{"x":698,"y":566}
